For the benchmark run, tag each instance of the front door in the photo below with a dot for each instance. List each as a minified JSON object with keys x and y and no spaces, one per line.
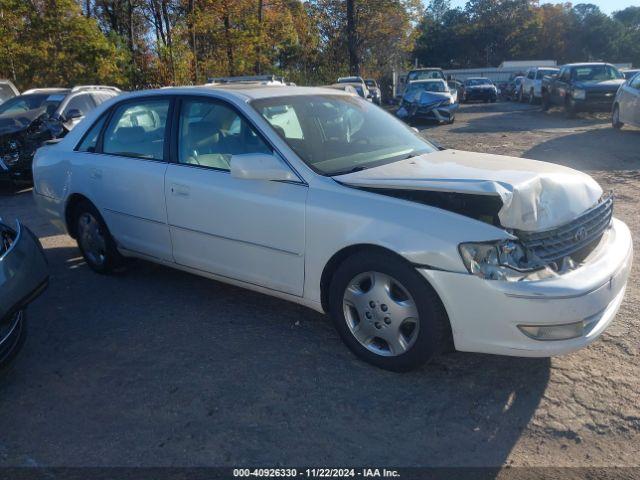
{"x":248,"y":230}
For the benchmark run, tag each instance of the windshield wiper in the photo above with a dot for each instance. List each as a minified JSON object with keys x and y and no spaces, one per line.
{"x":357,"y":168}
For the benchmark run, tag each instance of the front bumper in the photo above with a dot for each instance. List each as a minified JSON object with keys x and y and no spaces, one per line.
{"x":594,"y":103}
{"x":471,"y":95}
{"x":485,"y":314}
{"x":440,"y":113}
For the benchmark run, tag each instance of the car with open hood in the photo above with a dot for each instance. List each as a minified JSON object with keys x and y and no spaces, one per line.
{"x":430,"y":100}
{"x":39,"y":115}
{"x":321,"y":198}
{"x":23,"y":276}
{"x":582,"y":87}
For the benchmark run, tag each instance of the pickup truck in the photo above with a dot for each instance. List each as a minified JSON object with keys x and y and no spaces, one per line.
{"x":582,"y":87}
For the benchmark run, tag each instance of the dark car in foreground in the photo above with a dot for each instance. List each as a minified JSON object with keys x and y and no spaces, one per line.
{"x":479,"y":89}
{"x":23,"y":276}
{"x":38,"y":115}
{"x":582,"y":87}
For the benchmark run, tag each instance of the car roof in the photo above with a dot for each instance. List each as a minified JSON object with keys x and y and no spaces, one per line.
{"x":426,"y":80}
{"x":245,"y":92}
{"x":426,"y":69}
{"x":480,"y":78}
{"x":46,"y":90}
{"x":585,"y":64}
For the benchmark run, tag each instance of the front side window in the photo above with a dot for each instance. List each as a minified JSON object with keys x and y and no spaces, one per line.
{"x":138,"y":130}
{"x":210,"y":133}
{"x":342,"y":133}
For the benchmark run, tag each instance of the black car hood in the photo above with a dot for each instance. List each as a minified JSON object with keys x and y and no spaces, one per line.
{"x":604,"y":86}
{"x":14,"y":122}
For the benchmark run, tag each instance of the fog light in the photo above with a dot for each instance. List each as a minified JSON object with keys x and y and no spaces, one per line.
{"x":557,"y":332}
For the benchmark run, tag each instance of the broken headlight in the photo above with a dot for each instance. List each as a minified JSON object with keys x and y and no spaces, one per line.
{"x":502,"y":260}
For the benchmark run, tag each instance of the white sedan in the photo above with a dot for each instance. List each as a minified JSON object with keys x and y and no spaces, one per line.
{"x":626,"y":106}
{"x":324,"y":199}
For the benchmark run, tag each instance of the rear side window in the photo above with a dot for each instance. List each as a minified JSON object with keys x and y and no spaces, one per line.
{"x":138,"y":130}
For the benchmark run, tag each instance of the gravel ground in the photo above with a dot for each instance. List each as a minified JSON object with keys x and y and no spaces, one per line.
{"x":158,"y":367}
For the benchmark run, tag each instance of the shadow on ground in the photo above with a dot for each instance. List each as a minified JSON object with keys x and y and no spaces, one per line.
{"x":158,"y":367}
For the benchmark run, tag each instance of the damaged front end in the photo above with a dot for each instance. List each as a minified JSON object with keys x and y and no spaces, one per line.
{"x":528,"y":255}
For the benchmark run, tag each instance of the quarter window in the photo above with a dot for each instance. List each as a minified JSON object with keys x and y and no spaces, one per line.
{"x":138,"y":130}
{"x":90,"y":140}
{"x":211,"y":133}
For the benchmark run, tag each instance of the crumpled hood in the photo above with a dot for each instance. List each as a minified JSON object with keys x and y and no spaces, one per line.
{"x":535,"y":195}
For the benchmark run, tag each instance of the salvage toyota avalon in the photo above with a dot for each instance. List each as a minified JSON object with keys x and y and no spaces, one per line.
{"x":324,"y":199}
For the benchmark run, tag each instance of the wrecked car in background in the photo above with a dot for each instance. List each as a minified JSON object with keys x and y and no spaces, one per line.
{"x":23,"y":276}
{"x":38,"y":115}
{"x":429,"y":100}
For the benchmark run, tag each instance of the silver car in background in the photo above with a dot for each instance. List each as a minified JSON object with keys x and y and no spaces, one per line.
{"x":626,"y":106}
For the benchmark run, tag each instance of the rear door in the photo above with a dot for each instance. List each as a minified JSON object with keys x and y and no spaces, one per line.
{"x":248,"y":230}
{"x":126,"y":165}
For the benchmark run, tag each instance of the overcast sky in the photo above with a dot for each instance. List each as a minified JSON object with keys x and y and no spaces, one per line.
{"x":607,"y":6}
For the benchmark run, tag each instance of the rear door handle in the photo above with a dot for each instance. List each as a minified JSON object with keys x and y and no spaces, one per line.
{"x":179,"y":190}
{"x":96,"y":173}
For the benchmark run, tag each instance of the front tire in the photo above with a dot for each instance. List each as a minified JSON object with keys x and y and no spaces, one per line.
{"x":386,"y":312}
{"x":615,"y":118}
{"x":95,"y":241}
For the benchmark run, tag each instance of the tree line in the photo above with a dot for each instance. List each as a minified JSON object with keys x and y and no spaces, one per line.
{"x":142,"y":43}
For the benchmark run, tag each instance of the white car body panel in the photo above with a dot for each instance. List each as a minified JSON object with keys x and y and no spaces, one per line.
{"x":278,"y":237}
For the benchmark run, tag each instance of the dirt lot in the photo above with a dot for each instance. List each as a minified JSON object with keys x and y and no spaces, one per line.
{"x":158,"y":367}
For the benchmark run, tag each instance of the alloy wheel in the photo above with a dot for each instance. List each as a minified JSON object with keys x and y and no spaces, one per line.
{"x":92,"y":239}
{"x":381,"y":314}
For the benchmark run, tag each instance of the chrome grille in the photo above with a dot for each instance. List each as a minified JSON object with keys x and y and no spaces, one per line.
{"x":553,"y":245}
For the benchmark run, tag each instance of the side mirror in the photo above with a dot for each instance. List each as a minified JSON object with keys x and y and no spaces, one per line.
{"x":73,"y":114}
{"x":260,"y":166}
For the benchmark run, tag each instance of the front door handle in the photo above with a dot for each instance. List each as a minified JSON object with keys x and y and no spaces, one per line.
{"x":179,"y":190}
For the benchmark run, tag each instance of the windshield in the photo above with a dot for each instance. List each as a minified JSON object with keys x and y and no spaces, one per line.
{"x":370,"y":83}
{"x":24,"y":103}
{"x":596,"y":73}
{"x":478,"y":81}
{"x":336,"y":134}
{"x":425,"y":75}
{"x":427,"y":87}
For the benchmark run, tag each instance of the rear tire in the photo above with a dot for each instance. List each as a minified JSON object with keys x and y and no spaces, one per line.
{"x":94,"y":240}
{"x":546,"y":102}
{"x":615,"y":118}
{"x":532,"y":98}
{"x":386,"y":312}
{"x":14,"y":343}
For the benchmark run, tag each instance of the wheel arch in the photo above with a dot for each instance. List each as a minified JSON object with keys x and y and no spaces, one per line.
{"x":73,"y":201}
{"x":340,"y":256}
